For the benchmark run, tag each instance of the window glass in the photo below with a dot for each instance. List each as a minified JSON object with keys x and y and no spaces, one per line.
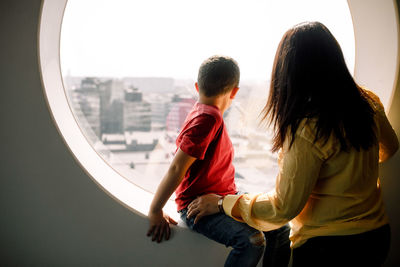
{"x":129,"y":69}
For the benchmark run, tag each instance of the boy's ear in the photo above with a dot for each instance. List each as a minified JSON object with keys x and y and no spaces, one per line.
{"x":233,"y":92}
{"x":197,"y":87}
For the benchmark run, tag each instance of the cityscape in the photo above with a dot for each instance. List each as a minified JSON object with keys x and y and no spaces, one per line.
{"x":133,"y":122}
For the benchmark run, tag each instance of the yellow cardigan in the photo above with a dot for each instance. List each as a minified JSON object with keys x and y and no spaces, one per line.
{"x":321,"y":190}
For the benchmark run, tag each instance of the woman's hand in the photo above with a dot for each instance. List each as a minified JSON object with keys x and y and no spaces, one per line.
{"x":203,"y":206}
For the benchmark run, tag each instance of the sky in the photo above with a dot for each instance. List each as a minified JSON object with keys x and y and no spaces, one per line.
{"x":160,"y":38}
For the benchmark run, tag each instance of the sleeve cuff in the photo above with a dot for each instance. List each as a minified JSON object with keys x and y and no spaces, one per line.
{"x":228,"y":204}
{"x":190,"y":152}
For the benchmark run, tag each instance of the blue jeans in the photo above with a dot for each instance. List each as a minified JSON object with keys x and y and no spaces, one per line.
{"x":248,"y":244}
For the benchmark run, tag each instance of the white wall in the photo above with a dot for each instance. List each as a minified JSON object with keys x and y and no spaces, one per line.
{"x":377,"y":67}
{"x":51,"y":212}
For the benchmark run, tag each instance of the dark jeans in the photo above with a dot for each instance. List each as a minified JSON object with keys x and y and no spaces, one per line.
{"x":248,"y":244}
{"x":366,"y":249}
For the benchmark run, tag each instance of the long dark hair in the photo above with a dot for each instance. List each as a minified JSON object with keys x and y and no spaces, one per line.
{"x":310,"y":79}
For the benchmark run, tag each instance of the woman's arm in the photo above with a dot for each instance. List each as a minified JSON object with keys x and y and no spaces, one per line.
{"x":299,"y":171}
{"x":388,"y":142}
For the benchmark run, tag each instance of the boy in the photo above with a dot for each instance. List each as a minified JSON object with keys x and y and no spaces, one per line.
{"x":203,"y":165}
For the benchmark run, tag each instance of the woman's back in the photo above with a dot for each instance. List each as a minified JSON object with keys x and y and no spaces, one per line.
{"x":346,"y":198}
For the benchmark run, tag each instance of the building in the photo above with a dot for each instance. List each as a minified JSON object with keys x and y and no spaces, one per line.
{"x":136,"y":112}
{"x":180,"y":108}
{"x":111,"y":106}
{"x":85,"y":102}
{"x":160,"y":107}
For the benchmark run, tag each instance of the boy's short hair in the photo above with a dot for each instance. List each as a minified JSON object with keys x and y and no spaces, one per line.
{"x":218,"y":75}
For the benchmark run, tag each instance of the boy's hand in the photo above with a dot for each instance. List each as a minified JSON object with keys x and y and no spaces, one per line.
{"x":159,"y":226}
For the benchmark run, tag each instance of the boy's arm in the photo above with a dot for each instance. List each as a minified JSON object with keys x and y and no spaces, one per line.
{"x":159,"y":222}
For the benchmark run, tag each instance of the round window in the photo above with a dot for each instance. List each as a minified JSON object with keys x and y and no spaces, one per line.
{"x":129,"y":69}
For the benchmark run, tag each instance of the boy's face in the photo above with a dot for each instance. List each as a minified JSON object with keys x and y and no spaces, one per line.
{"x":233,"y":92}
{"x":231,"y":95}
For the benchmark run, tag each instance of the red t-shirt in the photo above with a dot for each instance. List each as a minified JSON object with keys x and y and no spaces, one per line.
{"x":204,"y":136}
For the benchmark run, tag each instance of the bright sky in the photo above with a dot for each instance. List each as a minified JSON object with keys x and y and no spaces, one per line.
{"x":170,"y":38}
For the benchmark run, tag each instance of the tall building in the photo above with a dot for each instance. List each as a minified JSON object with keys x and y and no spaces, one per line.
{"x":111,"y":107}
{"x":117,"y":88}
{"x":136,"y":112}
{"x":160,"y":107}
{"x":86,"y":104}
{"x":180,"y":108}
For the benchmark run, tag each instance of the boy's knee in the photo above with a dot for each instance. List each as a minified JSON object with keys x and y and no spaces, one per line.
{"x":257,"y":239}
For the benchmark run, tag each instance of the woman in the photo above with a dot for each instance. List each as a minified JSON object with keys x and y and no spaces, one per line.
{"x":331,"y":135}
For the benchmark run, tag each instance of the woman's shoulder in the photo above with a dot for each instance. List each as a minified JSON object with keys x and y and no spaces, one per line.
{"x":373,"y":99}
{"x":328,"y":146}
{"x":307,"y":130}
